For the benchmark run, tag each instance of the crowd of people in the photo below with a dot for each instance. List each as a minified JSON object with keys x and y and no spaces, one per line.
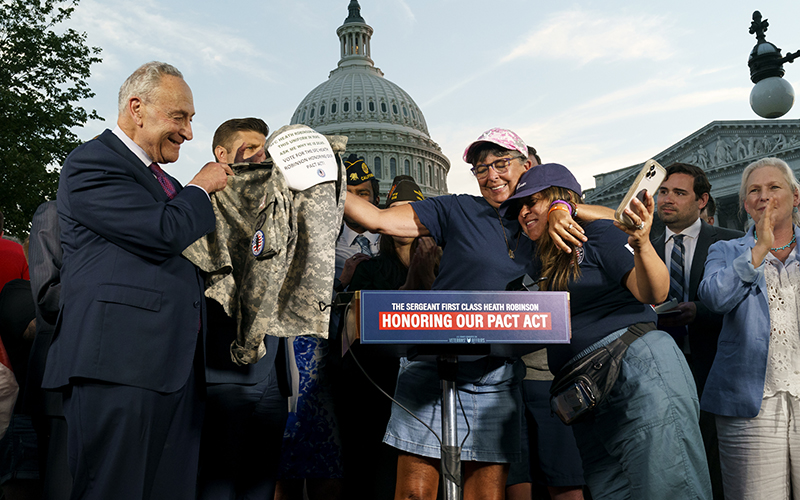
{"x":128,"y":389}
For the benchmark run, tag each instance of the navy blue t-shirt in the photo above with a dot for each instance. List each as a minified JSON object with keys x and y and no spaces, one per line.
{"x":475,"y":252}
{"x":599,"y":301}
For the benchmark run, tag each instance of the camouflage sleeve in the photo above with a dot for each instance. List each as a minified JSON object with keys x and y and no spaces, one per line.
{"x":270,"y":262}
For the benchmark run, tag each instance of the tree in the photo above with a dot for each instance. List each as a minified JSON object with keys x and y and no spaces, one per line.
{"x":42,"y":76}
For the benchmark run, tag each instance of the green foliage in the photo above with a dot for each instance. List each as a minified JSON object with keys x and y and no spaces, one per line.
{"x":43,"y":72}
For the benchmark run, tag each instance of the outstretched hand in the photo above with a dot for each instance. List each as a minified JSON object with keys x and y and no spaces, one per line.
{"x":212,"y":177}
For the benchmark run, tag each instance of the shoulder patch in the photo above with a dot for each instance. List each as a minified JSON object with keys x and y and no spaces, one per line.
{"x":257,"y":243}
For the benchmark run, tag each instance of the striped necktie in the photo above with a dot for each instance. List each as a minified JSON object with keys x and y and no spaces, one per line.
{"x":162,"y":178}
{"x":677,"y":284}
{"x":363,"y":242}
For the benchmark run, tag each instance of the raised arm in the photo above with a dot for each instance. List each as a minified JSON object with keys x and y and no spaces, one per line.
{"x":395,"y":221}
{"x":730,"y":276}
{"x":566,"y":232}
{"x":648,"y":281}
{"x":589,"y":213}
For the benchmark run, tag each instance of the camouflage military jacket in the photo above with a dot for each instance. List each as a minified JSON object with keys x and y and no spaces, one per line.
{"x":270,"y":262}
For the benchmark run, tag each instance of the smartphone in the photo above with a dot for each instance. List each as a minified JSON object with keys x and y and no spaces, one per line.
{"x":648,"y":181}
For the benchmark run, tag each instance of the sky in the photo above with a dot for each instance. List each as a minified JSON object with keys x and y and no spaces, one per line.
{"x":593,"y":85}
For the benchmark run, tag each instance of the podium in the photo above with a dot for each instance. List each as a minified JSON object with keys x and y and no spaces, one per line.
{"x":446,"y":326}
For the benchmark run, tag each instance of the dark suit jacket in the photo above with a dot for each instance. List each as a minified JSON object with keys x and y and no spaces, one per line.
{"x":704,"y":330}
{"x":131,"y":305}
{"x":44,"y":261}
{"x":220,"y":369}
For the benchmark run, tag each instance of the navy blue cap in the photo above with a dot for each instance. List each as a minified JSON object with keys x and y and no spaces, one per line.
{"x":537,"y":179}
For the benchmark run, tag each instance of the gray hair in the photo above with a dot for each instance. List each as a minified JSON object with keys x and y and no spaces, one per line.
{"x":786,"y":171}
{"x":143,"y":82}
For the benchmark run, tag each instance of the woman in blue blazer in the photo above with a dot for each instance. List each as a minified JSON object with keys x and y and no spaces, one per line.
{"x":754,"y":384}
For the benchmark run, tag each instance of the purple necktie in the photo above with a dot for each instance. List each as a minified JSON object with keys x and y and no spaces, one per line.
{"x":166,"y":184}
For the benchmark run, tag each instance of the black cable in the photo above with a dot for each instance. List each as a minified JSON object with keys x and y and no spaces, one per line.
{"x":465,"y":418}
{"x":350,"y":351}
{"x":460,"y":403}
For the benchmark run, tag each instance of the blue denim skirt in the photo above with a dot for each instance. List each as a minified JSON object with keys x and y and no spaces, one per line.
{"x":488,"y":390}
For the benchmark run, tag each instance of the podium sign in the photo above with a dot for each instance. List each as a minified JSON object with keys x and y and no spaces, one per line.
{"x":412,"y":323}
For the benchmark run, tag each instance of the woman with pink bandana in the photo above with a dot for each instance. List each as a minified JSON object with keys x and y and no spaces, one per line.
{"x":482,"y":251}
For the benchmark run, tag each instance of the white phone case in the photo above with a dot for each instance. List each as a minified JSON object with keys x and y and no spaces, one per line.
{"x":649,"y":179}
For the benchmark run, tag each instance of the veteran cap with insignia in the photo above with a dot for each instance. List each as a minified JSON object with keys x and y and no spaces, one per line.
{"x":357,"y":170}
{"x":404,"y":188}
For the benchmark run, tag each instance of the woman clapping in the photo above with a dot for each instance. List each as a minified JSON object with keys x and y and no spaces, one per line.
{"x":754,"y":384}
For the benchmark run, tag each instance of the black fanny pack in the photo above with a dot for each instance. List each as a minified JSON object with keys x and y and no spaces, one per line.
{"x":580,"y":386}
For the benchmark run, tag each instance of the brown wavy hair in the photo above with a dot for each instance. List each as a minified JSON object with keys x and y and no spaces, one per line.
{"x":558,"y":266}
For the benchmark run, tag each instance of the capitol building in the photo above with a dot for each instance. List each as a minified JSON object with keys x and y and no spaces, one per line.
{"x":722,"y":149}
{"x":383,"y":124}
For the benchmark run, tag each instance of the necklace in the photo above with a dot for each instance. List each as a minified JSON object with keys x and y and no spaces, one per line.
{"x":784,"y":247}
{"x":510,"y":252}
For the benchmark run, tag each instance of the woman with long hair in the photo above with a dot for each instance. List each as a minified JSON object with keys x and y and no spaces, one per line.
{"x":481,"y":251}
{"x":642,"y":440}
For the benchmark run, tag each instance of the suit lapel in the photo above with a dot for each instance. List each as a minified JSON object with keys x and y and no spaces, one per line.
{"x":706,"y":237}
{"x":137,"y":168}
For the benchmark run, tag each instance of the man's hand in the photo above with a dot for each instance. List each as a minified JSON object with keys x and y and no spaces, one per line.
{"x":687,"y":314}
{"x":260,"y":156}
{"x":30,"y":331}
{"x":212,"y":177}
{"x":564,"y":231}
{"x":350,"y":267}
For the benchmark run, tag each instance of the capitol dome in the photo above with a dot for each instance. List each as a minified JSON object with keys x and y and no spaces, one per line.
{"x":382,"y":122}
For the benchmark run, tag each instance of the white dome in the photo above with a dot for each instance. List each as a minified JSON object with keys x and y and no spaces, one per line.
{"x":360,"y":95}
{"x":382,"y":122}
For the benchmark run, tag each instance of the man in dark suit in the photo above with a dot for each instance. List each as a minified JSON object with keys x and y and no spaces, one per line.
{"x":127,"y":345}
{"x":247,"y":405}
{"x":681,"y":197}
{"x":45,"y":407}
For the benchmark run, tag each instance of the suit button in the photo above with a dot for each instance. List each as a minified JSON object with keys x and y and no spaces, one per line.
{"x":196,"y":304}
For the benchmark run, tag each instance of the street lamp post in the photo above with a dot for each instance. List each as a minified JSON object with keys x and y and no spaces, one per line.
{"x":772,"y":96}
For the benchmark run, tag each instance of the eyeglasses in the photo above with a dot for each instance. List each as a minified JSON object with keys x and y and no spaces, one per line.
{"x":481,"y":171}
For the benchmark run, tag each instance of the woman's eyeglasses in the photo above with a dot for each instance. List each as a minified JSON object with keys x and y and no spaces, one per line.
{"x":500,"y":166}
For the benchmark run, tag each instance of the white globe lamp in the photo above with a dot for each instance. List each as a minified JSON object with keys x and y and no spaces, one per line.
{"x":772,"y":97}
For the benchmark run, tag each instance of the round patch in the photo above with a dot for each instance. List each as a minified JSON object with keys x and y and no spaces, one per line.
{"x":580,"y":252}
{"x":320,"y":172}
{"x":257,"y":245}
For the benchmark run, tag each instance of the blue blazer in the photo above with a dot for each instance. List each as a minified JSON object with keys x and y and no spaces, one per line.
{"x":131,"y":305}
{"x":733,"y":288}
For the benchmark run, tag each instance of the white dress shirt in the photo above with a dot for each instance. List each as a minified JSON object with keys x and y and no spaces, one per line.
{"x":690,"y":235}
{"x":346,"y":246}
